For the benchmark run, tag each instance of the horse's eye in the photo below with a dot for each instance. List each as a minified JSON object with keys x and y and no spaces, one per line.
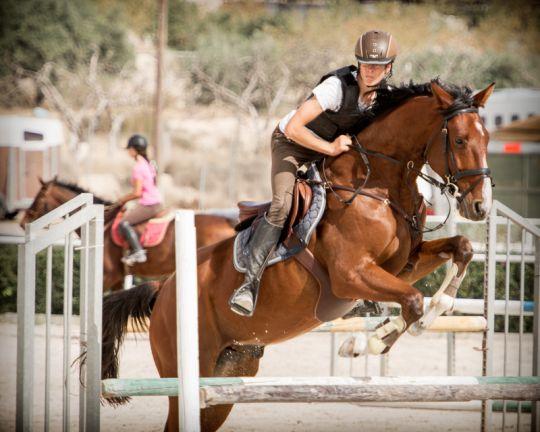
{"x":459,"y":141}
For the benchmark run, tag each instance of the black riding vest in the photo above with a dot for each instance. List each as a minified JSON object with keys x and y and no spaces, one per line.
{"x":329,"y":124}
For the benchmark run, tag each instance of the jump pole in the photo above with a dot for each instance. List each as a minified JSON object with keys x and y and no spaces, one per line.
{"x":187,"y":333}
{"x":442,"y":324}
{"x":217,"y":391}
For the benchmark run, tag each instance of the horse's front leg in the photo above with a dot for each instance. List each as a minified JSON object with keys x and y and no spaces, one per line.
{"x":429,"y":256}
{"x":371,"y":282}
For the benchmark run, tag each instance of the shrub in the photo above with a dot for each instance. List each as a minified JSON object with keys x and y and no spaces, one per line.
{"x":8,"y":280}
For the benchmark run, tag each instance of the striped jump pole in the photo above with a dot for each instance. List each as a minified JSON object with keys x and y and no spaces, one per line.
{"x":218,"y":391}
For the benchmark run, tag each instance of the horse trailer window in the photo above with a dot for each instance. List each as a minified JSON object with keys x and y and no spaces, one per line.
{"x":32,"y":136}
{"x":498,"y":120}
{"x":514,"y":117}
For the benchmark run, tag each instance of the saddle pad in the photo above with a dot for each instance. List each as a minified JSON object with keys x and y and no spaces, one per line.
{"x":303,"y":230}
{"x":153,"y":230}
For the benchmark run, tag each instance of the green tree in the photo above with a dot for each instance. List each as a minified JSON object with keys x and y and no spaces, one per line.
{"x":33,"y":32}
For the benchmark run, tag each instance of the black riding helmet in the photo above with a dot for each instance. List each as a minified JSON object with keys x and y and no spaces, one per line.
{"x":137,"y":142}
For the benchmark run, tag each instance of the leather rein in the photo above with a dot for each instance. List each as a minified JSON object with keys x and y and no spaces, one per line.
{"x":452,"y":175}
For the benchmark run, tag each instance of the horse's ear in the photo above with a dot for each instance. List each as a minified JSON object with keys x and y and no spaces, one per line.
{"x":41,"y":181}
{"x":444,"y":99}
{"x":481,"y":97}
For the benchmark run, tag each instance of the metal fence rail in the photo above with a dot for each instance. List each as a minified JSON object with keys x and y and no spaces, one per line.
{"x":78,"y":215}
{"x":503,"y":217}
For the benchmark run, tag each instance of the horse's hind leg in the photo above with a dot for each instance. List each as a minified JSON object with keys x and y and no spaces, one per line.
{"x":233,"y":361}
{"x":429,"y":257}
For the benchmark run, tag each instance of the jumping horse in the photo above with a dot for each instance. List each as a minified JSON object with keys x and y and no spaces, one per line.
{"x":369,"y":242}
{"x":160,"y":258}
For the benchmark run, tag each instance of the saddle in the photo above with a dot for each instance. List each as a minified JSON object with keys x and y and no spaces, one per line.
{"x":251,"y":212}
{"x":308,"y":206}
{"x":151,"y":232}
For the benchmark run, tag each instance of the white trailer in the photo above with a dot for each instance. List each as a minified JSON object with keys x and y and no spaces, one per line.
{"x":29,"y":150}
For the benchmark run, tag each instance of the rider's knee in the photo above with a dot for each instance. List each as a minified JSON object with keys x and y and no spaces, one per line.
{"x":123,"y":225}
{"x":278,"y":212}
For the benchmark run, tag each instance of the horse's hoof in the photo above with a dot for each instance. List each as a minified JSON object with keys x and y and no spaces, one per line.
{"x":416,"y":329}
{"x":353,"y":346}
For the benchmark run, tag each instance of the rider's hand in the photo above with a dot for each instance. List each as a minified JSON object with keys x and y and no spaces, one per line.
{"x":339,"y":145}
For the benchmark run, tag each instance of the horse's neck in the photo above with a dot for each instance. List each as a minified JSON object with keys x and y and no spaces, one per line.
{"x":62,"y":194}
{"x":402,"y":135}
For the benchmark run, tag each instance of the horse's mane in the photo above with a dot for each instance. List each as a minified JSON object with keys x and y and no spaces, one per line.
{"x":78,"y":190}
{"x":390,"y":97}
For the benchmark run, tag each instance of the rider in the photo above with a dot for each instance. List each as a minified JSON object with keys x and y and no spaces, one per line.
{"x":143,"y":179}
{"x":317,"y":128}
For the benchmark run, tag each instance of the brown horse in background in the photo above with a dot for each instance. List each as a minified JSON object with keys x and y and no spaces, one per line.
{"x":160,"y":258}
{"x":371,"y":248}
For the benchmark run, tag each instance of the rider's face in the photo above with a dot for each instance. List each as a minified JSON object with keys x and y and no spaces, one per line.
{"x":372,"y":74}
{"x":132,"y":152}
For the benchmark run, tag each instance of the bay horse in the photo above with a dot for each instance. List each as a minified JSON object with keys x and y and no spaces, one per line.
{"x":160,"y":258}
{"x":369,"y":241}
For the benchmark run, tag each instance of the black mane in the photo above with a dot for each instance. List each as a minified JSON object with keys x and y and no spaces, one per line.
{"x":78,"y":190}
{"x":391,"y":97}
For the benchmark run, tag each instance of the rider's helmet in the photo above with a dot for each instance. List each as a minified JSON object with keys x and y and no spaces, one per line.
{"x":376,"y":47}
{"x":137,"y":142}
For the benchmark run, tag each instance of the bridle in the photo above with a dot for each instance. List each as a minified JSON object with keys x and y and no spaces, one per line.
{"x":453,"y":174}
{"x":449,"y":184}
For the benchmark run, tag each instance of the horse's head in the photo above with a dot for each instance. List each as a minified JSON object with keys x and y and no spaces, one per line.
{"x":43,"y":203}
{"x":54,"y":193}
{"x":458,"y":153}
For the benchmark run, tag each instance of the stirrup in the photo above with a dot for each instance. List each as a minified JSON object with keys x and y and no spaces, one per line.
{"x":244,"y":309}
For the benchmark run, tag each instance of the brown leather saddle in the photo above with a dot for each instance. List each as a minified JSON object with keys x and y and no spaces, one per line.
{"x":251,"y":211}
{"x":329,"y":307}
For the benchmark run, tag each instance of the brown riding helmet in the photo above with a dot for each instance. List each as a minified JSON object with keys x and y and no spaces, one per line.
{"x":376,"y":47}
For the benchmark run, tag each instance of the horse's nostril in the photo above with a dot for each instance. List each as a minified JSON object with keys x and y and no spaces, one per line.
{"x":479,"y":208}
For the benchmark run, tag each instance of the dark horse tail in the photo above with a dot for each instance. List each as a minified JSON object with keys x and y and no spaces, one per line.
{"x":135,"y":303}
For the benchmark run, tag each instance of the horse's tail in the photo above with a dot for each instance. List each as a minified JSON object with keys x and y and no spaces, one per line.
{"x":118,"y":307}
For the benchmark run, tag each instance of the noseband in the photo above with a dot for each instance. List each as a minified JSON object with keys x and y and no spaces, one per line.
{"x":451,"y":178}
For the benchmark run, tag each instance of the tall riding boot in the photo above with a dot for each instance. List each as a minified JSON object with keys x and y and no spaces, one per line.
{"x":138,"y":254}
{"x":261,"y":246}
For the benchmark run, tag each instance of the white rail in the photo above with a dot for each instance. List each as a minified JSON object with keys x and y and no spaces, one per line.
{"x":77,"y":214}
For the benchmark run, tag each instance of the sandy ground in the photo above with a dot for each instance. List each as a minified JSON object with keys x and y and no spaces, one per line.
{"x":308,"y":355}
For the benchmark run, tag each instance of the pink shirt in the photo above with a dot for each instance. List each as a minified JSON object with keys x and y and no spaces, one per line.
{"x":146,"y":173}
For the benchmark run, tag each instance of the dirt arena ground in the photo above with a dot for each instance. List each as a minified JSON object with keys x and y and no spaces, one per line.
{"x":307,"y":355}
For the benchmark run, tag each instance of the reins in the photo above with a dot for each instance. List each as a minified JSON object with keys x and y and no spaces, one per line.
{"x":452,"y":175}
